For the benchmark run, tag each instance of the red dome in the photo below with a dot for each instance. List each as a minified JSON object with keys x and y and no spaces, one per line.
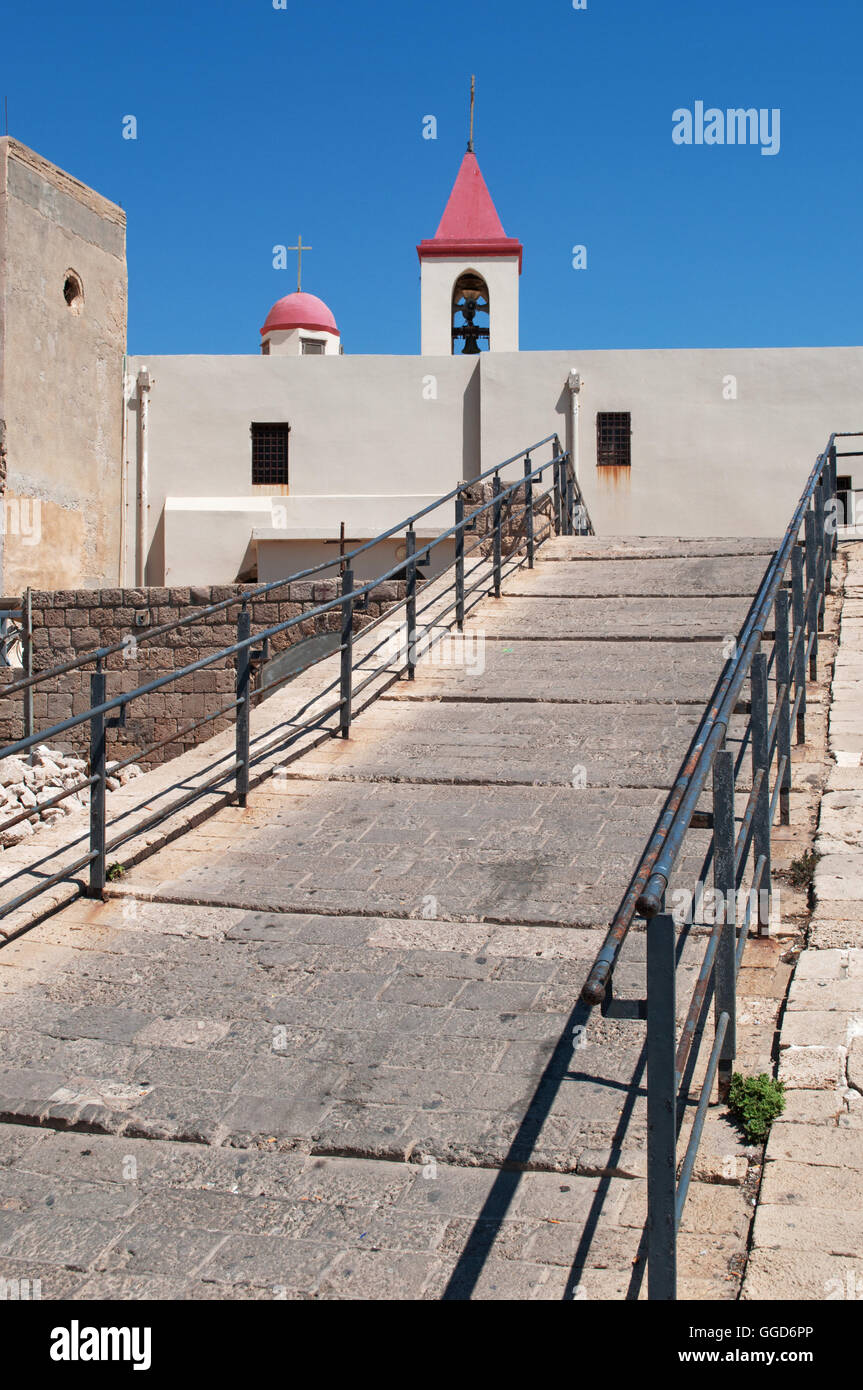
{"x":300,"y":310}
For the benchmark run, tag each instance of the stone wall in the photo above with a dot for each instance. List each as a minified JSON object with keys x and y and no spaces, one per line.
{"x":513,"y":526}
{"x":62,"y":345}
{"x":67,"y":623}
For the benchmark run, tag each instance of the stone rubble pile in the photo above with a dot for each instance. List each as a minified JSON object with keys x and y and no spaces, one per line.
{"x":36,"y":778}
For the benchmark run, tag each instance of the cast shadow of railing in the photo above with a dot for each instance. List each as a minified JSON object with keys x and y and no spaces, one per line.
{"x":488,"y":1225}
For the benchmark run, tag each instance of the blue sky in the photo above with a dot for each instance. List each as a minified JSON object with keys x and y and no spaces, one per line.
{"x":256,"y":124}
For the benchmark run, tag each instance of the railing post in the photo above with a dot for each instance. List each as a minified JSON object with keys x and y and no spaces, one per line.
{"x":243,"y":717}
{"x":27,"y":658}
{"x":459,"y":562}
{"x":496,"y":514}
{"x":346,"y":658}
{"x":570,"y":497}
{"x":528,"y":513}
{"x":761,"y":762}
{"x":411,"y":607}
{"x":798,"y":614}
{"x":831,"y":519}
{"x":98,"y":771}
{"x":661,"y":1110}
{"x":834,"y":495}
{"x":347,"y":645}
{"x":783,"y":681}
{"x":725,"y":883}
{"x":558,"y":500}
{"x":821,"y":571}
{"x":812,"y":605}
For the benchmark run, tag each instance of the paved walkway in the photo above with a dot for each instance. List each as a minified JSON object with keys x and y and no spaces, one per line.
{"x":329,"y":1045}
{"x":808,"y":1233}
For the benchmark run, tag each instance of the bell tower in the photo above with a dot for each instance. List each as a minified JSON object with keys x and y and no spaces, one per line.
{"x":469,"y":273}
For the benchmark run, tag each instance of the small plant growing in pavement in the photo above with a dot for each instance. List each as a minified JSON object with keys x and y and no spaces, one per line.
{"x":756,"y":1101}
{"x":802,"y":870}
{"x":113,"y":872}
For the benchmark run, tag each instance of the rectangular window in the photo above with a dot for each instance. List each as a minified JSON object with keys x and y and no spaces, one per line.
{"x":613,"y":439}
{"x":312,"y":347}
{"x":270,"y":454}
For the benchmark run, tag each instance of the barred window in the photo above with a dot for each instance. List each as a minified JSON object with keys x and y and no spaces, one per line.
{"x":613,"y":438}
{"x":270,"y":454}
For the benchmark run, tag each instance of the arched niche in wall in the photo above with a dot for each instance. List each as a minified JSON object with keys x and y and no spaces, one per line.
{"x":470,"y":313}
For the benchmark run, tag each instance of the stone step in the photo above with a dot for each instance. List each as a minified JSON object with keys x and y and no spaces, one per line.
{"x":694,"y":576}
{"x":665,"y":548}
{"x":713,"y":621}
{"x":565,"y":745}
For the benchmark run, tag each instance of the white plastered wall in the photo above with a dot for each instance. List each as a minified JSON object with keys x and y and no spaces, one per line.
{"x":722,"y":440}
{"x":371,"y":438}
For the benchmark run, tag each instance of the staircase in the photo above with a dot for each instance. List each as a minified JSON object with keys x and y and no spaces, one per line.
{"x":339,"y":1027}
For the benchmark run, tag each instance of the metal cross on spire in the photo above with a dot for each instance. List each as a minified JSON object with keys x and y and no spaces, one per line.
{"x":300,"y":248}
{"x":472,"y":101}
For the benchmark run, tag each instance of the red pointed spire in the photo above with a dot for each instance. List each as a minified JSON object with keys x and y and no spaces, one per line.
{"x":470,"y":225}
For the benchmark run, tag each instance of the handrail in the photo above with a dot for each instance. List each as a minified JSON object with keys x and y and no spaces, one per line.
{"x":739,"y":851}
{"x":118,"y":701}
{"x":650,"y":880}
{"x":102,"y":653}
{"x":557,"y":503}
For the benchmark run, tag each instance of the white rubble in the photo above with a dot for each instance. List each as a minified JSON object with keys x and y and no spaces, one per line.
{"x":33,"y":780}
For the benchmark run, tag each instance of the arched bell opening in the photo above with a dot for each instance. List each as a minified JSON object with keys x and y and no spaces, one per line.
{"x":470,"y":313}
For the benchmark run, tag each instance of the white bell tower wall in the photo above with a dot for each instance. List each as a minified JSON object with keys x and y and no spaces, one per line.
{"x":437,"y":279}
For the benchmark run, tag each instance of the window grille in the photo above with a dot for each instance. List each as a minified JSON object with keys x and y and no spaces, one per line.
{"x":270,"y":454}
{"x":613,"y":439}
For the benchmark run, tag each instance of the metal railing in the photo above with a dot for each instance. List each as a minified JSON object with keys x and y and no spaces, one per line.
{"x":509,"y":541}
{"x":793,"y":589}
{"x":16,"y":639}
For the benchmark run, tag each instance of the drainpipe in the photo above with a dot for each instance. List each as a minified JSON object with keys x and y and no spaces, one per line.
{"x":143,"y":475}
{"x":574,"y":383}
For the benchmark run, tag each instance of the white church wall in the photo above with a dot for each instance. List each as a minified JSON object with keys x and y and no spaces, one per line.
{"x":404,"y":428}
{"x":722,"y":440}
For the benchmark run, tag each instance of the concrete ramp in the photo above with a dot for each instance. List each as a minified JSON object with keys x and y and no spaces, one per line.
{"x":339,"y":1029}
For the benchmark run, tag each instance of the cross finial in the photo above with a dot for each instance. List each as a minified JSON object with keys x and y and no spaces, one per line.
{"x":300,"y":248}
{"x":472,"y":101}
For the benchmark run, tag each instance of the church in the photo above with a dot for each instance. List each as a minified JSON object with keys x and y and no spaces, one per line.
{"x":213,"y":469}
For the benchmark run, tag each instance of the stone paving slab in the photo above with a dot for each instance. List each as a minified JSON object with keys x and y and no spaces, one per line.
{"x":737,"y":576}
{"x":120,"y":1216}
{"x":609,"y":548}
{"x":510,"y":744}
{"x":318,"y":1034}
{"x":359,"y":997}
{"x":225,"y":1224}
{"x":654,"y":673}
{"x":498,"y":853}
{"x":643,"y":619}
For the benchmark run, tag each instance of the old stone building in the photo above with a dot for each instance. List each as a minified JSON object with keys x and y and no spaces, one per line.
{"x":62,"y":345}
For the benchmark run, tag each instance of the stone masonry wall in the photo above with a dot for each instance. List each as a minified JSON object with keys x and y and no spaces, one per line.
{"x":478,"y":495}
{"x":67,"y":623}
